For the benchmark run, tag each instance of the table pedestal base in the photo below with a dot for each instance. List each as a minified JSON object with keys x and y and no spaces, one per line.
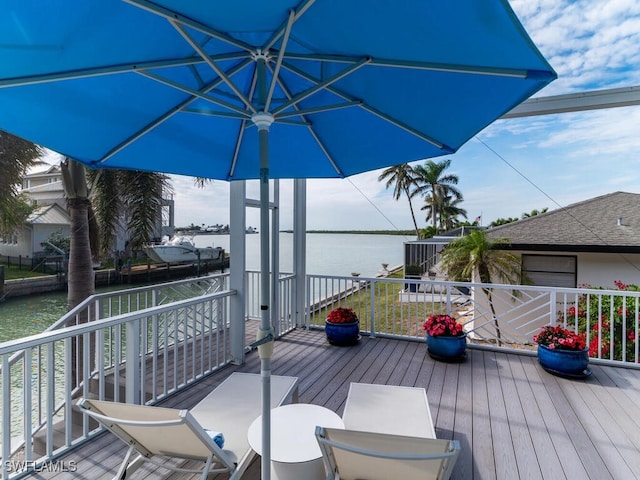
{"x":311,"y":470}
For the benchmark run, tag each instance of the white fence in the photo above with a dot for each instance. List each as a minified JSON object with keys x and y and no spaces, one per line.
{"x":146,"y":343}
{"x":496,"y":315}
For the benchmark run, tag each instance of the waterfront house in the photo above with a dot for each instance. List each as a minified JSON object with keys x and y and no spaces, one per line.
{"x":593,"y":242}
{"x":45,"y":191}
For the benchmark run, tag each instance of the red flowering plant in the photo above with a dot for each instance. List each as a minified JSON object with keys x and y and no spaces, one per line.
{"x":342,"y":315}
{"x":436,"y":325}
{"x":558,"y":338}
{"x":608,"y":321}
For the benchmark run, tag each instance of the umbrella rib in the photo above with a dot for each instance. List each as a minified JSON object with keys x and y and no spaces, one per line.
{"x":302,"y":8}
{"x":323,"y":108}
{"x":320,"y":143}
{"x":438,"y":67}
{"x":212,"y":64}
{"x":98,"y":71}
{"x":214,"y":113}
{"x":276,"y":70}
{"x":372,"y":110}
{"x":322,"y":85}
{"x":193,"y":91}
{"x":236,"y":150}
{"x":176,"y":17}
{"x":163,"y":118}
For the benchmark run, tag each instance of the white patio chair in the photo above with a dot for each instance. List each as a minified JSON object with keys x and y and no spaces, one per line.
{"x":152,"y":431}
{"x":355,"y":455}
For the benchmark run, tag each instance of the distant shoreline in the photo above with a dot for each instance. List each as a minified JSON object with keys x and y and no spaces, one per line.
{"x":362,"y":232}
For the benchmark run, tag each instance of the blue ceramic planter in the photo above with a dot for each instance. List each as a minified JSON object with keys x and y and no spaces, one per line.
{"x":564,"y":362}
{"x":342,"y":333}
{"x":446,"y":347}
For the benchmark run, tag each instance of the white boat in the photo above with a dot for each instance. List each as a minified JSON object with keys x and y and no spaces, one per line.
{"x":181,"y":249}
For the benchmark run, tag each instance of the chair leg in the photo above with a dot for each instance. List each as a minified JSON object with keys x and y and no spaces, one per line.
{"x":207,"y":467}
{"x":122,"y":471}
{"x":127,"y":467}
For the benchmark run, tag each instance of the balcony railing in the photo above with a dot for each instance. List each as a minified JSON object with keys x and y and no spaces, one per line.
{"x":495,"y":315}
{"x":141,"y":345}
{"x":140,"y":357}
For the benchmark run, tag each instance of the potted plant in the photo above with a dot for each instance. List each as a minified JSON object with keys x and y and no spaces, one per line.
{"x":412,"y":271}
{"x":342,"y":327}
{"x":562,"y":352}
{"x":446,"y":338}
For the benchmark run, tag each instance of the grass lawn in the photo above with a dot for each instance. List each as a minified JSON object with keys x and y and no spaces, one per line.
{"x":391,"y":315}
{"x":13,"y":272}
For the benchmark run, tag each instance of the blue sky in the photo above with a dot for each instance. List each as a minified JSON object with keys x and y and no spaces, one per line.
{"x":514,"y":165}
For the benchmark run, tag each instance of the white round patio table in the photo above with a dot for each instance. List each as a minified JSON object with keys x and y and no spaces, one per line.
{"x":295,"y":453}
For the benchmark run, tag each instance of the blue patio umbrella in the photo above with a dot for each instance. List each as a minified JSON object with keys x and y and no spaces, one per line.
{"x":243,"y":89}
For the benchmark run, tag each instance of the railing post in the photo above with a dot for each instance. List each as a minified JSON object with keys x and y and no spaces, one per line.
{"x":299,"y":249}
{"x":237,"y":271}
{"x":6,"y":415}
{"x":372,"y":303}
{"x":132,"y":370}
{"x":552,"y":307}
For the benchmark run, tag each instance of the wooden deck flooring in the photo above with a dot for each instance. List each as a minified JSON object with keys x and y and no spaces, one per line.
{"x":512,"y":419}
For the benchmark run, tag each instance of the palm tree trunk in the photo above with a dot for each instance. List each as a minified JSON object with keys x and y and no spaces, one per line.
{"x":80,"y":275}
{"x":413,"y":215}
{"x":81,"y":279}
{"x":487,"y":292}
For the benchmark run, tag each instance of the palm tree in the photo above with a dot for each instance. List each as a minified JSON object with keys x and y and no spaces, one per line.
{"x":476,"y":256}
{"x":449,"y":213}
{"x":127,"y":200}
{"x":436,"y":186}
{"x":137,"y":193}
{"x":402,"y":177}
{"x":17,"y":156}
{"x":535,"y":212}
{"x":80,"y":277}
{"x":133,"y":196}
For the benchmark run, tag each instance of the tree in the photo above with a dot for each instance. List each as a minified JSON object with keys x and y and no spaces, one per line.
{"x":17,"y":156}
{"x":449,"y":212}
{"x":80,"y":277}
{"x":435,"y":186}
{"x":115,"y":195}
{"x":402,"y":177}
{"x":476,"y":256}
{"x":503,"y":221}
{"x":534,"y":212}
{"x":127,"y":200}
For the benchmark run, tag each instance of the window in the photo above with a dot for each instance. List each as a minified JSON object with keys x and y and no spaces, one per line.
{"x":551,"y":270}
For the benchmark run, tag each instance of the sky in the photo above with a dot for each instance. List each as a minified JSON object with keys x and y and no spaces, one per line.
{"x":514,"y":165}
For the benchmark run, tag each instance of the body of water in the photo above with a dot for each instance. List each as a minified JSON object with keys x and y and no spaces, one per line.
{"x":327,"y":254}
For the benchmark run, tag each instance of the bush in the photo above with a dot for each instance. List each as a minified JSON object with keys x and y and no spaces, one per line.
{"x":608,"y":322}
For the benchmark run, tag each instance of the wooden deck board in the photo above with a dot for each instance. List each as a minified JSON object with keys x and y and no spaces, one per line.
{"x":513,"y":419}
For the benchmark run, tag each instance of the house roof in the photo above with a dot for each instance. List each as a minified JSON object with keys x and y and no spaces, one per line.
{"x":51,"y":214}
{"x":56,"y":187}
{"x":609,"y":223}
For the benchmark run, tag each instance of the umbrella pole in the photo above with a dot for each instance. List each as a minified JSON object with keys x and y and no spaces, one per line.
{"x":265,"y":331}
{"x":263,"y":121}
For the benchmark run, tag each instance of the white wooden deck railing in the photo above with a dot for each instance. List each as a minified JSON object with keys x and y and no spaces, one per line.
{"x":494,"y":315}
{"x":141,"y":356}
{"x":143,"y":344}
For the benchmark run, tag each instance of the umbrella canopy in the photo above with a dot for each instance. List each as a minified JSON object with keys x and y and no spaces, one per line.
{"x":171,"y":86}
{"x":243,"y":89}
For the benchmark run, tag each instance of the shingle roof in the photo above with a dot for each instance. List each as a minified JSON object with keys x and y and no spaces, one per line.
{"x":609,"y":223}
